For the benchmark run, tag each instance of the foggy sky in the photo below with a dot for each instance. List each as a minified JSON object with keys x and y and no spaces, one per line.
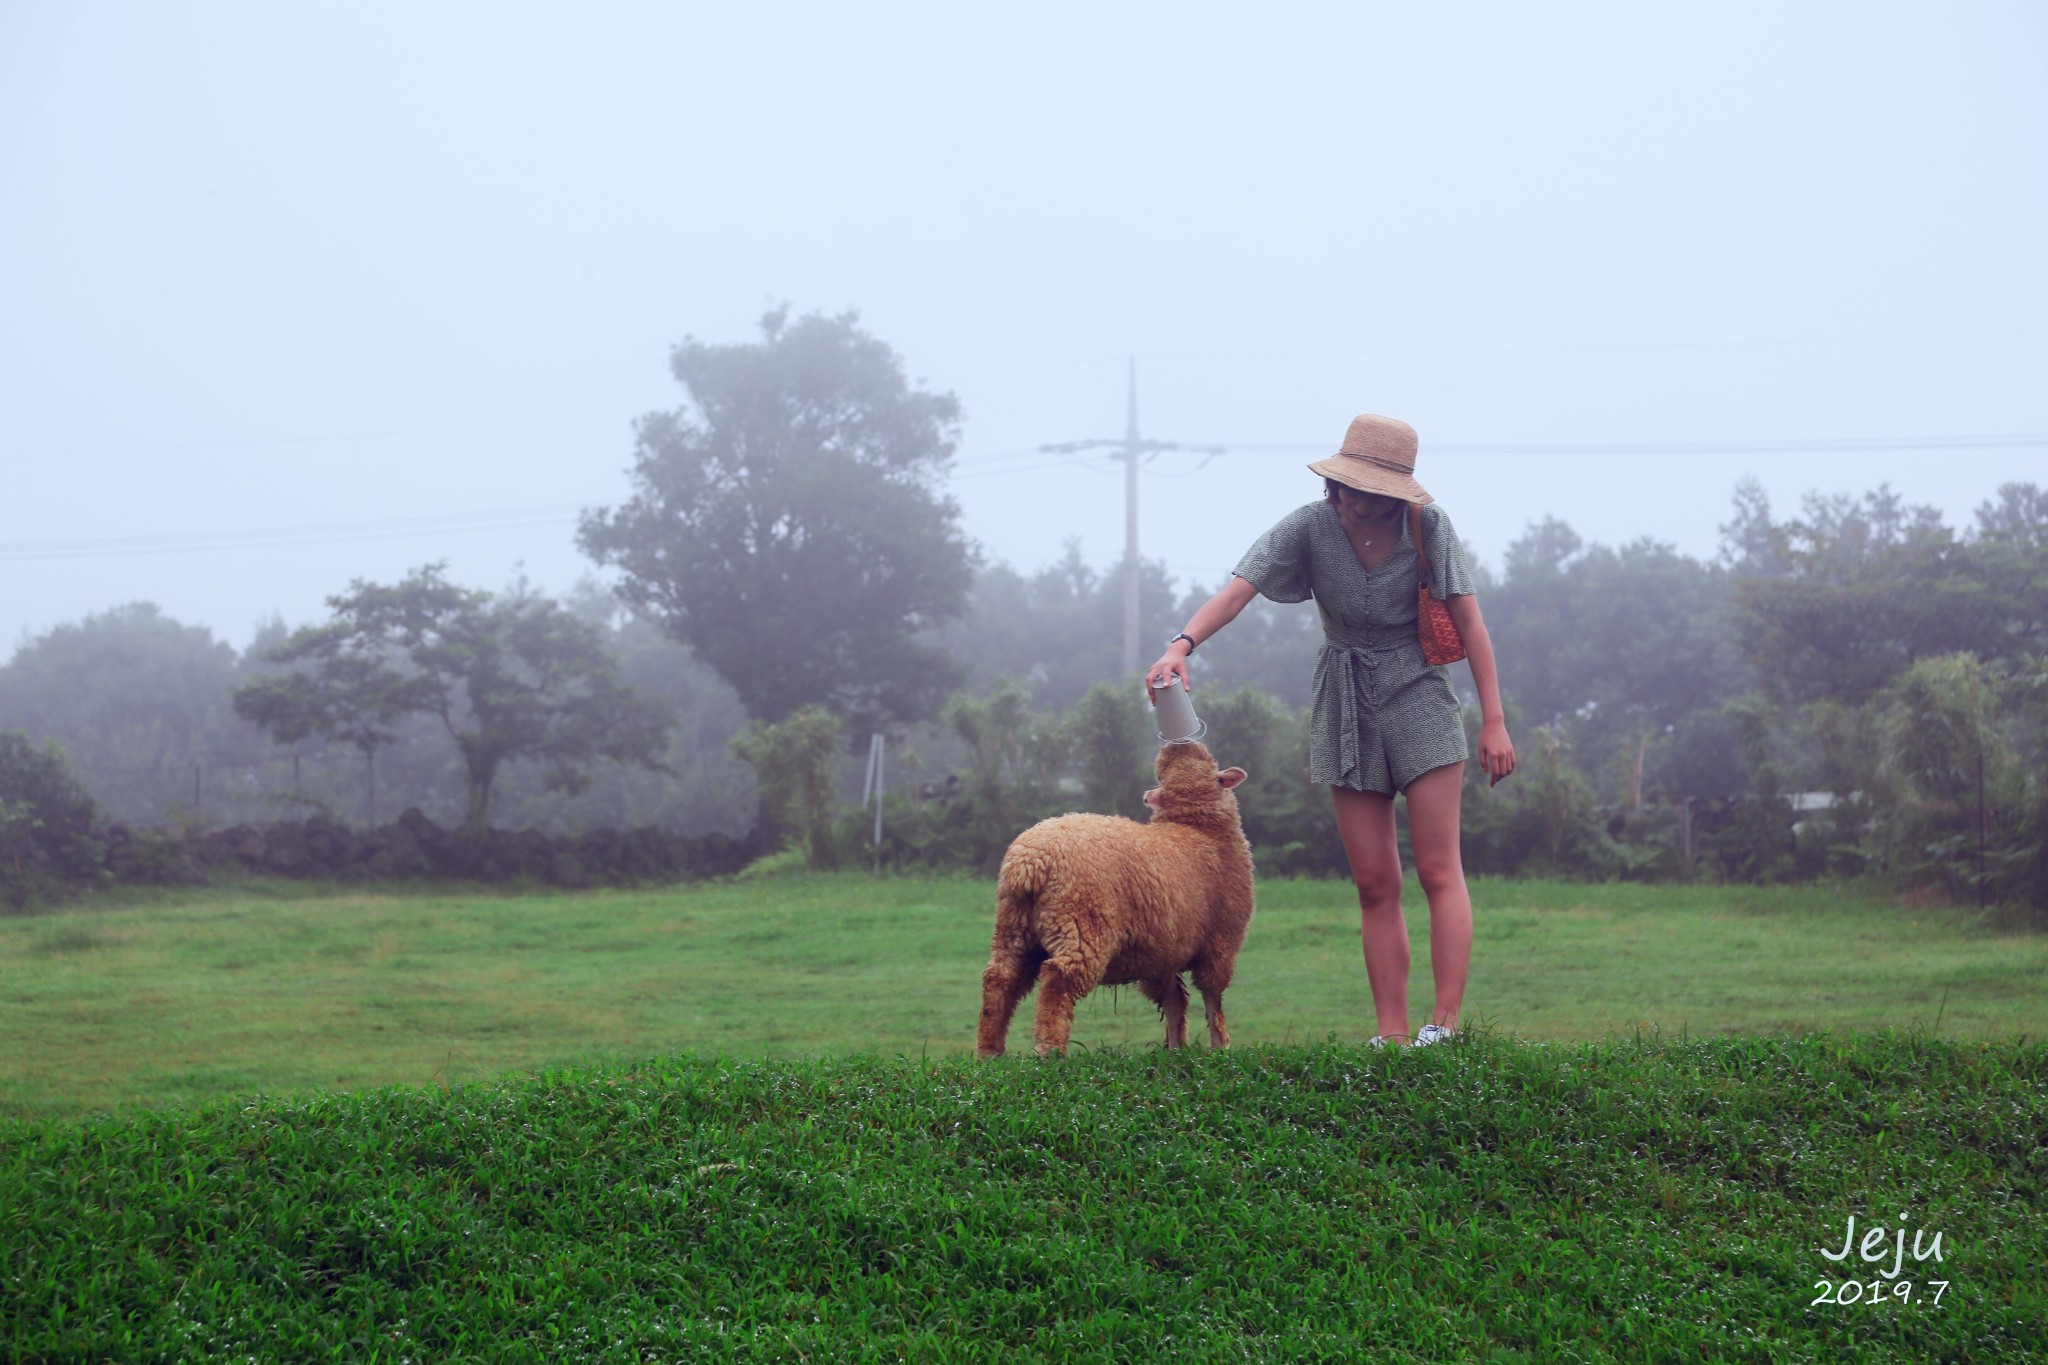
{"x":271,"y":268}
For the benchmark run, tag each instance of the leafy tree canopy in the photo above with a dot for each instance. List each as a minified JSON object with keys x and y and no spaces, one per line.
{"x":132,"y":696}
{"x":786,"y":526}
{"x":510,"y":678}
{"x":2019,"y":517}
{"x":1866,"y":586}
{"x":1627,"y":650}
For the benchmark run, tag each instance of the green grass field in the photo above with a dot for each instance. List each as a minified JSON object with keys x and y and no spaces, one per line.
{"x":769,"y":1147}
{"x":1495,"y":1201}
{"x":158,"y":999}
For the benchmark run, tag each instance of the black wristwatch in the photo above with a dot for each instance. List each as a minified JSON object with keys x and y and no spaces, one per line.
{"x":1183,"y":636}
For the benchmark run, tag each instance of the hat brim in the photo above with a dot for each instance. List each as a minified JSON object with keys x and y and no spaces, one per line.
{"x":1370,"y":478}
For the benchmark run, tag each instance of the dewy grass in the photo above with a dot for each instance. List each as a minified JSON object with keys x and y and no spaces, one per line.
{"x":171,"y":998}
{"x":1492,"y":1200}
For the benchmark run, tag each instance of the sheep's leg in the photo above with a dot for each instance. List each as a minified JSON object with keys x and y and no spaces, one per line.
{"x":1170,"y":993}
{"x":1004,"y":984}
{"x":1213,"y":978}
{"x":1062,"y":981}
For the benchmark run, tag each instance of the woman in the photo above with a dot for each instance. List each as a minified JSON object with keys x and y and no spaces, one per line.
{"x":1383,"y":720}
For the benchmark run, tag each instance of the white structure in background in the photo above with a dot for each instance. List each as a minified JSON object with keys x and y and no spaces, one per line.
{"x":872,"y":787}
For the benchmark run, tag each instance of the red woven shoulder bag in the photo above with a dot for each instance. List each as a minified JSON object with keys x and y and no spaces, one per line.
{"x":1441,"y":643}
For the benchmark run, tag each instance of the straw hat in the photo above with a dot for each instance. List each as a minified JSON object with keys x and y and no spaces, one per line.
{"x":1378,"y":457}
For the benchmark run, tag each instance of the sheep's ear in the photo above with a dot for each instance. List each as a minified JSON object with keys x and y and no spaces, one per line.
{"x":1230,"y":777}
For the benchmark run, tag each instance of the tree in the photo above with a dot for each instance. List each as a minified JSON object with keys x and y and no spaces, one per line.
{"x":1869,"y":586}
{"x":1625,"y":651}
{"x":2009,"y":555}
{"x":702,"y":786}
{"x":785,"y":523}
{"x":1752,"y":545}
{"x":510,"y":678}
{"x":133,"y":697}
{"x":2019,"y":517}
{"x":1970,"y":812}
{"x":1896,"y":659}
{"x":348,"y":696}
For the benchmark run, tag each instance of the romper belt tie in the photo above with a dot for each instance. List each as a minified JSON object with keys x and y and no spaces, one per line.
{"x":1355,"y":653}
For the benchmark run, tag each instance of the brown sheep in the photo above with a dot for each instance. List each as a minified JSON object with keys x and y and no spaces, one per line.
{"x":1088,"y":899}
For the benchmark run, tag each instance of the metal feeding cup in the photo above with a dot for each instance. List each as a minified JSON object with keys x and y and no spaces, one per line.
{"x":1175,"y":713}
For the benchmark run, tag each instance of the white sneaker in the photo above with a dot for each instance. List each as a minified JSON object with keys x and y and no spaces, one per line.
{"x":1377,"y":1043}
{"x":1433,"y":1033}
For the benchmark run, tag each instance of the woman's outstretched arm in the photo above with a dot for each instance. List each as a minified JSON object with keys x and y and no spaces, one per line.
{"x":1212,"y":616}
{"x":1496,"y":751}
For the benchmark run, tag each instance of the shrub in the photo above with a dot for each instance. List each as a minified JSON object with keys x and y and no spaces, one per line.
{"x":1110,"y":736}
{"x":145,"y":857}
{"x":1286,"y":817}
{"x":1965,"y":811}
{"x":793,"y":763}
{"x":1546,"y":823}
{"x":1014,"y":757}
{"x":48,"y":824}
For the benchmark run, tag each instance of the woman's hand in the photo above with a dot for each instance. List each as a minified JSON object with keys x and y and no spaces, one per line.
{"x":1172,"y":664}
{"x":1212,"y":616}
{"x":1496,"y":751}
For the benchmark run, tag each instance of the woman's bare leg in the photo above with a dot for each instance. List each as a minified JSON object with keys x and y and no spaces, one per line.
{"x":1433,"y":833}
{"x":1365,"y":824}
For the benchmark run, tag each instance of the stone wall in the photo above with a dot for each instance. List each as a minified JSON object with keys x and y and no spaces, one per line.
{"x":415,"y":847}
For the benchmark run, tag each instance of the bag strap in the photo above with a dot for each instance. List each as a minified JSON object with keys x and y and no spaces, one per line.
{"x":1421,"y":554}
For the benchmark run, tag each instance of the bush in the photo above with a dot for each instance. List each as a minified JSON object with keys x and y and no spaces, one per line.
{"x":793,"y":767}
{"x":1965,"y":808}
{"x":1022,"y":766}
{"x":1286,"y":817}
{"x":1546,"y":823}
{"x":1111,"y":735}
{"x":49,"y":843}
{"x":1014,"y":757}
{"x":150,"y":857}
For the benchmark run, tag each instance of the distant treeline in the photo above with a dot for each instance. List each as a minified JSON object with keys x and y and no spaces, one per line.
{"x":1859,"y":689}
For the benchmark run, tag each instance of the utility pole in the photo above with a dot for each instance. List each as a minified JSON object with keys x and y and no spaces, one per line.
{"x":1132,"y":446}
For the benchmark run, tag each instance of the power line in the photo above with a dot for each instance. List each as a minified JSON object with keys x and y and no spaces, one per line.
{"x":1606,"y":347}
{"x":1020,"y":461}
{"x":999,"y":457}
{"x":1788,"y":446}
{"x":1732,"y":343}
{"x":510,"y":518}
{"x":260,"y":442}
{"x":1039,"y":465}
{"x":1586,"y":348}
{"x":2018,"y":440}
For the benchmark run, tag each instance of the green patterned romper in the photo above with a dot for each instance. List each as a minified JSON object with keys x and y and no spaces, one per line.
{"x":1380,"y":717}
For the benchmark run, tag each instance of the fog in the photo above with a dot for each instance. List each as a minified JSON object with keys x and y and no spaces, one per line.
{"x":295,"y":295}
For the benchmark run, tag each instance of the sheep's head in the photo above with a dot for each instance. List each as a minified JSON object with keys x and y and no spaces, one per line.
{"x":1190,"y":783}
